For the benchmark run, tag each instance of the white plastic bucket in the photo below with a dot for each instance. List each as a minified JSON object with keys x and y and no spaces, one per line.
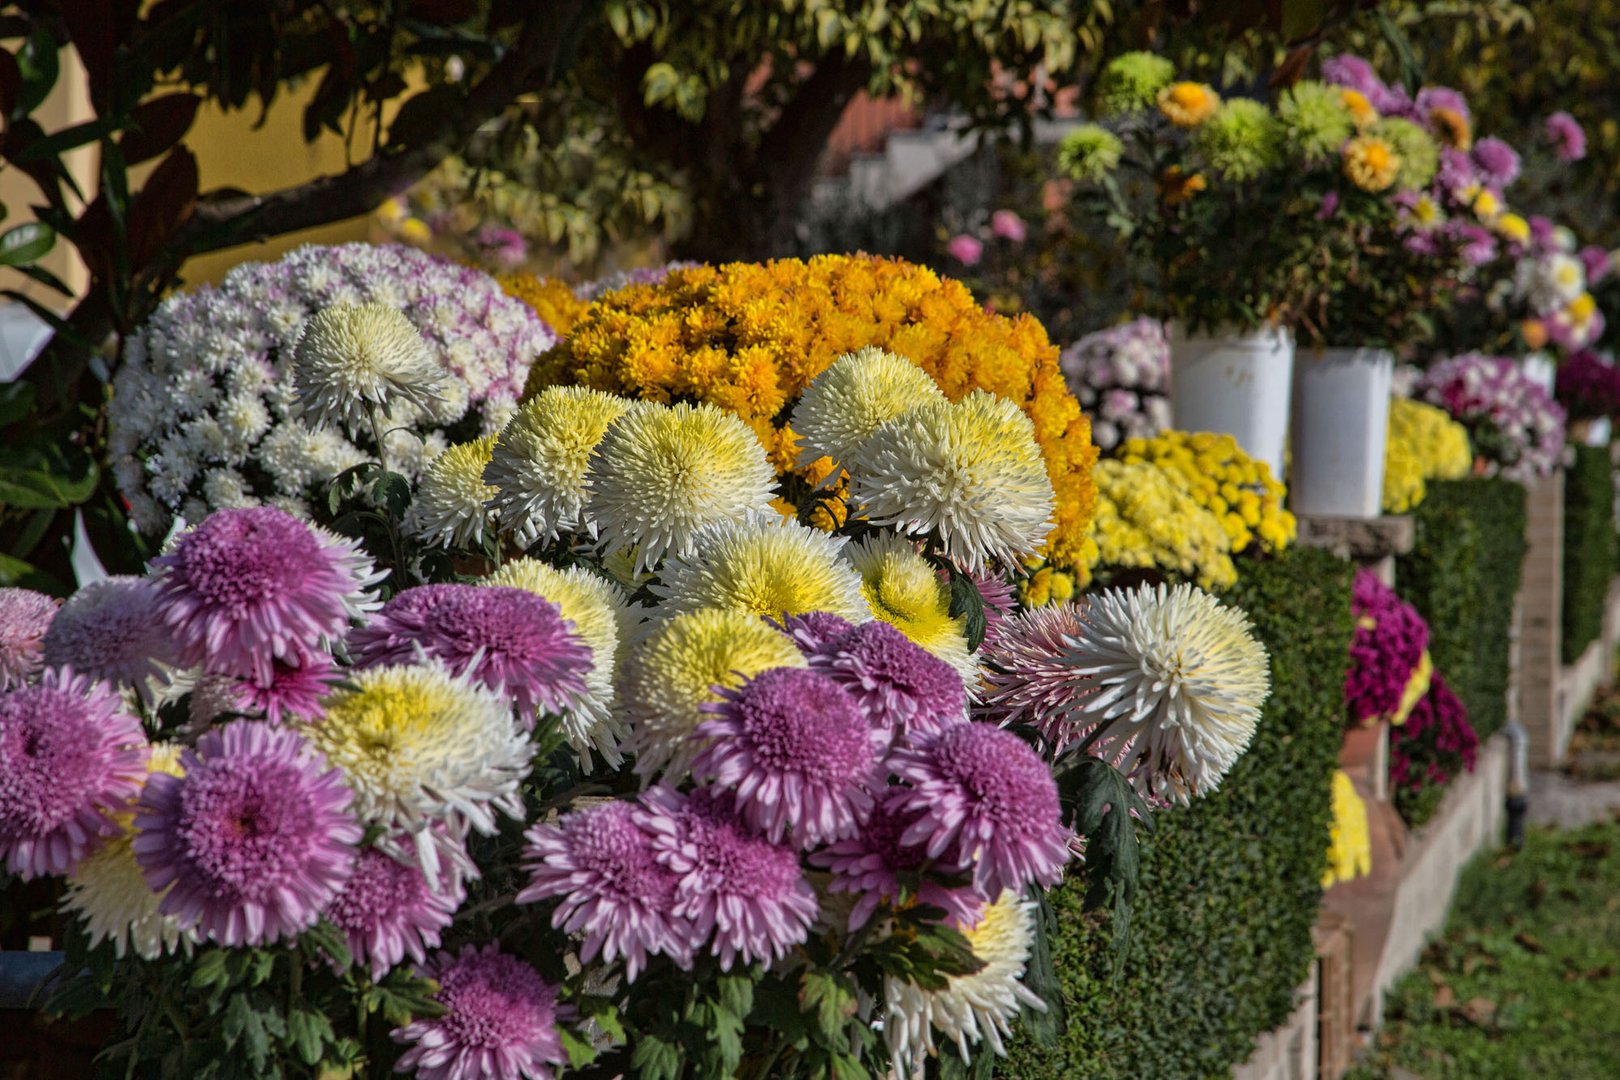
{"x":1237,"y":384}
{"x":1341,"y":416}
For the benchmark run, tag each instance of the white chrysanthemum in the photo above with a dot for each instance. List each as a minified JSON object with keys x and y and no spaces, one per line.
{"x":765,"y":566}
{"x":450,"y":506}
{"x":418,"y":747}
{"x":1180,"y":681}
{"x":969,"y":472}
{"x":849,"y":400}
{"x":540,"y":460}
{"x":603,"y":620}
{"x":903,"y":590}
{"x":662,"y":473}
{"x":971,"y":1008}
{"x":352,"y":361}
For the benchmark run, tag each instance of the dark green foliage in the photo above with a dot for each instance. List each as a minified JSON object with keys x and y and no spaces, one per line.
{"x":1589,"y":547}
{"x":1229,"y":887}
{"x":1462,"y":576}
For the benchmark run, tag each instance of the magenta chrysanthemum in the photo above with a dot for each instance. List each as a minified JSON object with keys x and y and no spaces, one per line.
{"x":870,"y":863}
{"x":388,"y":910}
{"x":748,"y":892}
{"x":500,"y":1021}
{"x":986,"y":801}
{"x":797,"y":752}
{"x":290,"y":691}
{"x":69,"y":756}
{"x":255,"y":838}
{"x":515,"y":642}
{"x":24,"y":617}
{"x":813,"y":629}
{"x":111,"y":630}
{"x":902,"y":686}
{"x":1497,"y":160}
{"x":600,"y":860}
{"x":247,"y":587}
{"x":1030,"y":672}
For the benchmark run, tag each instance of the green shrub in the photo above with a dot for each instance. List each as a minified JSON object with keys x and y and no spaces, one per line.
{"x":1462,"y":575}
{"x":1589,"y":547}
{"x":1221,"y":930}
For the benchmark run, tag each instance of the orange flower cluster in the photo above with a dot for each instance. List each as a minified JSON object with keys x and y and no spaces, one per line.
{"x":749,"y":337}
{"x":551,"y":298}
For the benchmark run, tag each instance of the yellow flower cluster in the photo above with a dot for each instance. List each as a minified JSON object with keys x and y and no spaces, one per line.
{"x":1350,"y":843}
{"x":1245,"y":498}
{"x":1371,"y":163}
{"x":551,"y":299}
{"x":1423,"y":443}
{"x":1146,"y":519}
{"x":1047,"y":584}
{"x":749,"y":337}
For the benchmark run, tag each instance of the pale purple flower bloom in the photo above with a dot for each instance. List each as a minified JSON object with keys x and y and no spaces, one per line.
{"x":601,"y":861}
{"x":748,"y":892}
{"x":24,"y":617}
{"x":1133,"y":357}
{"x":111,"y":630}
{"x":1567,"y":136}
{"x":248,"y":587}
{"x":1478,"y":245}
{"x":1596,"y":262}
{"x":869,"y":864}
{"x":69,"y":756}
{"x":1430,"y":98}
{"x":387,"y":910}
{"x":1330,"y":206}
{"x":256,"y":838}
{"x":290,"y":690}
{"x":500,"y":1021}
{"x":1513,"y":422}
{"x":1009,"y":226}
{"x":1543,"y":233}
{"x":797,"y":752}
{"x":813,"y":629}
{"x":987,"y":802}
{"x":1456,"y":172}
{"x":513,"y":641}
{"x":1498,"y":161}
{"x":1031,"y":678}
{"x":901,"y":686}
{"x":1357,"y":74}
{"x":997,"y":594}
{"x":965,"y":249}
{"x":506,"y":246}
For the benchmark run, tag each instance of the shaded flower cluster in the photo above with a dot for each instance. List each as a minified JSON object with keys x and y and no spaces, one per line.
{"x":1588,"y":386}
{"x":1421,"y":443}
{"x":1513,"y":423}
{"x":1122,"y":378}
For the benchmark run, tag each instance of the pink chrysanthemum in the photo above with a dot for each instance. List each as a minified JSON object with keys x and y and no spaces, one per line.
{"x":111,"y":630}
{"x":902,"y":686}
{"x":986,"y":801}
{"x":1030,"y":672}
{"x":500,"y":1021}
{"x":600,"y":860}
{"x":748,"y":892}
{"x":251,"y":586}
{"x":870,"y":864}
{"x":797,"y":752}
{"x":24,"y":617}
{"x":813,"y":629}
{"x":515,"y":642}
{"x":997,"y":594}
{"x":256,"y":838}
{"x":387,"y":910}
{"x":69,"y":756}
{"x":290,"y":691}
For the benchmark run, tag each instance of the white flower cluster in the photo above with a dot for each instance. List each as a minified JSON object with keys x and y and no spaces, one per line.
{"x":1122,"y":378}
{"x":205,"y":414}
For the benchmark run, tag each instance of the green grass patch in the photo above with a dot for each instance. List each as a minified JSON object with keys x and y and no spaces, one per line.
{"x":1525,"y":983}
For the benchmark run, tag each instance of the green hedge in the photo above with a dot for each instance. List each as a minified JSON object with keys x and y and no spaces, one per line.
{"x":1462,"y":575}
{"x":1589,"y":547}
{"x":1221,"y":932}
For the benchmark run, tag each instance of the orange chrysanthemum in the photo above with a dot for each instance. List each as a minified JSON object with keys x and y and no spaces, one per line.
{"x":551,"y":298}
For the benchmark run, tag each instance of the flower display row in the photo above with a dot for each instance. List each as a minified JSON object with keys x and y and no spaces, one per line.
{"x":1514,"y":425}
{"x":1121,"y":377}
{"x":1390,"y":667}
{"x":1422,"y":443}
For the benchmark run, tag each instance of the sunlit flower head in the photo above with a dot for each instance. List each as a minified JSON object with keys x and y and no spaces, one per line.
{"x":1349,"y":842}
{"x":1415,"y":150}
{"x":1513,"y":228}
{"x":499,"y":1021}
{"x":355,"y":361}
{"x":1132,"y":81}
{"x":1240,"y":140}
{"x":814,"y":630}
{"x":1089,"y":153}
{"x":24,"y":617}
{"x":871,"y":864}
{"x":1188,"y":104}
{"x":388,"y":911}
{"x":903,"y":688}
{"x":449,"y":508}
{"x":852,"y":397}
{"x":110,"y":630}
{"x":541,"y":457}
{"x":1030,"y":674}
{"x":1452,"y":126}
{"x":290,"y":691}
{"x":767,"y":566}
{"x":1315,"y":120}
{"x":905,"y":591}
{"x":1360,"y":108}
{"x":1371,"y":163}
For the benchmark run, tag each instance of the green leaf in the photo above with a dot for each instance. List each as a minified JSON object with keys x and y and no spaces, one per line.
{"x":831,"y":997}
{"x":59,"y":142}
{"x":655,"y":1058}
{"x":1100,"y":801}
{"x":20,"y":574}
{"x":659,"y":83}
{"x":26,"y":243}
{"x":36,"y":489}
{"x":209,"y":970}
{"x":37,"y":64}
{"x":580,"y":1052}
{"x":16,"y":400}
{"x":392,"y":492}
{"x":966,"y":601}
{"x":307,"y":1032}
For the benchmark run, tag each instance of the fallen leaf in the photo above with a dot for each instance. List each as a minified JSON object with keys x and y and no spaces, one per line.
{"x":1479,"y":1010}
{"x":1529,"y":942}
{"x":1444,"y":997}
{"x":1591,"y":849}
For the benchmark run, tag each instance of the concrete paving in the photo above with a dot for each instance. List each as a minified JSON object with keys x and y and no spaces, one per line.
{"x":1556,"y":799}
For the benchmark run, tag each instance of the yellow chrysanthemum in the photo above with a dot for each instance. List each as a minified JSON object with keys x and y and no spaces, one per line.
{"x":1145,"y":519}
{"x":540,"y":459}
{"x":671,"y":674}
{"x":765,"y":567}
{"x":1581,"y":309}
{"x":1361,"y":110}
{"x":903,"y":590}
{"x":1350,"y":843}
{"x":750,"y":337}
{"x":1452,"y":127}
{"x":1371,"y":163}
{"x":1422,"y":443}
{"x":1417,"y":685}
{"x":1513,"y":227}
{"x":1188,"y":104}
{"x":414,"y":230}
{"x":1240,"y":491}
{"x":551,"y":299}
{"x":449,"y":508}
{"x":1487,"y":206}
{"x":1045,"y":585}
{"x":851,"y":399}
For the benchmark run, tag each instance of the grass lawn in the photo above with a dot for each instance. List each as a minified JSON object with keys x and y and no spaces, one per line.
{"x":1526,"y":981}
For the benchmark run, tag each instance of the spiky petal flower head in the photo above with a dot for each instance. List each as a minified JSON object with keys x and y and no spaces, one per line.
{"x":1030,"y":674}
{"x":69,"y":757}
{"x":600,"y":861}
{"x":1180,"y":681}
{"x":901,"y":687}
{"x":252,"y":841}
{"x":1567,"y":137}
{"x":25,"y":616}
{"x":499,"y":1023}
{"x":1188,"y":104}
{"x":674,"y":671}
{"x":1415,"y":150}
{"x":797,"y":753}
{"x":749,"y":893}
{"x":540,"y":460}
{"x":1089,"y":153}
{"x":1240,"y":140}
{"x":856,"y":393}
{"x":387,"y":910}
{"x":904,"y":590}
{"x":449,"y":508}
{"x":971,"y":1008}
{"x":1132,"y":82}
{"x":1371,"y":163}
{"x":420,"y":746}
{"x":509,"y":640}
{"x":248,"y":587}
{"x":968,"y":472}
{"x":764,"y":566}
{"x":870,"y":865}
{"x":661,"y":473}
{"x":1498,"y":162}
{"x":1315,"y":120}
{"x":355,"y":360}
{"x":110,"y":630}
{"x":811,"y":631}
{"x":986,"y":803}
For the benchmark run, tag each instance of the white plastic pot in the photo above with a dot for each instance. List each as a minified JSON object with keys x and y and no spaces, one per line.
{"x":1341,"y":414}
{"x":1237,"y":384}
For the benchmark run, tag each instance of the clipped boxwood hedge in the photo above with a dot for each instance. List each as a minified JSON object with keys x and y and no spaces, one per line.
{"x":1221,"y":930}
{"x":1462,"y":575}
{"x":1589,"y":547}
